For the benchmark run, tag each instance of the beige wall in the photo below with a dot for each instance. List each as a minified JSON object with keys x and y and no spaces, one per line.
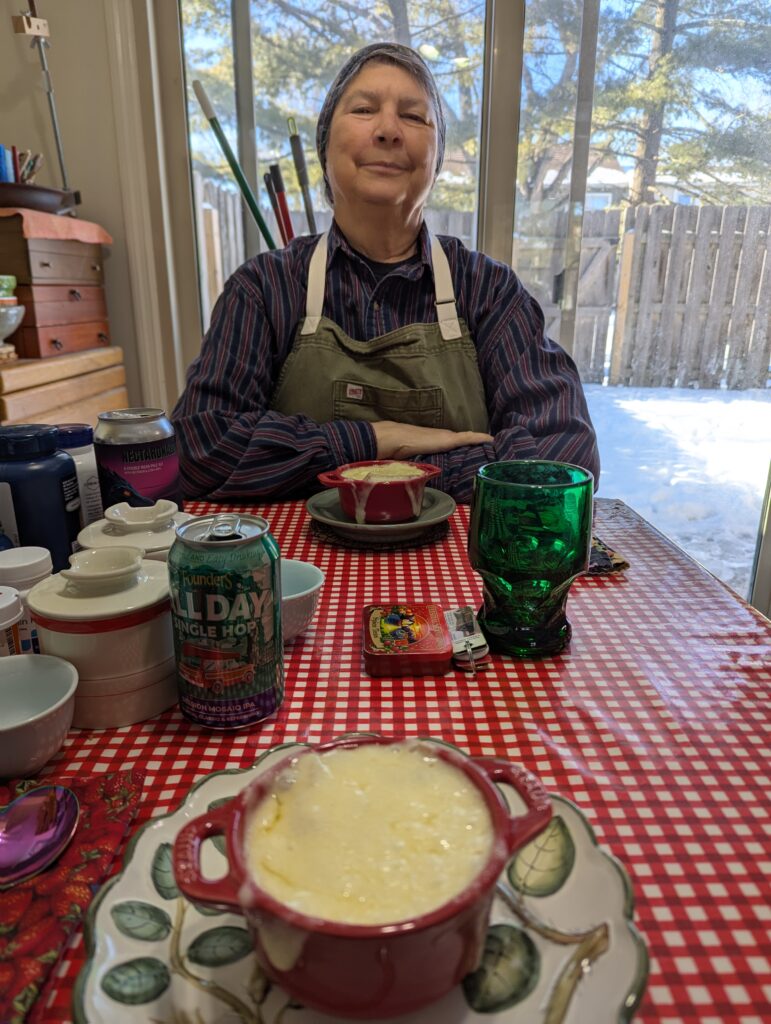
{"x":77,"y":60}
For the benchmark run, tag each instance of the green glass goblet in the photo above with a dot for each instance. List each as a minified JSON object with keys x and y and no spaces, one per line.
{"x":530,"y":536}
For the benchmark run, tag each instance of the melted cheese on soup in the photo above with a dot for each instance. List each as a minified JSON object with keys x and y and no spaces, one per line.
{"x":383,"y":471}
{"x":372,"y":835}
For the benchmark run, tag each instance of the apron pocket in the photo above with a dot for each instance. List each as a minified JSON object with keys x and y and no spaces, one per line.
{"x":422,"y":407}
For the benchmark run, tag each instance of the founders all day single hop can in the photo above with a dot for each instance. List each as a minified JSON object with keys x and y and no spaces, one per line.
{"x":226,"y":615}
{"x":136,"y":457}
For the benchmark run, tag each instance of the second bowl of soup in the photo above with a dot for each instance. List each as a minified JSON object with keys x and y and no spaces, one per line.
{"x":380,"y":490}
{"x":365,"y":868}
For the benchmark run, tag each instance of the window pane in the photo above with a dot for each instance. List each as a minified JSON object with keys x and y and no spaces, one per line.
{"x":671,"y":328}
{"x":298,"y":51}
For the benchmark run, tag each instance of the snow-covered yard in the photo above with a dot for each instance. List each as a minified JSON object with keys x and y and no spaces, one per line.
{"x":693,"y":463}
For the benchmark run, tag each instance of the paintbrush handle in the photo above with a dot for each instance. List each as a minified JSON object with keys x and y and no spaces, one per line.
{"x":243,"y":184}
{"x":301,"y":170}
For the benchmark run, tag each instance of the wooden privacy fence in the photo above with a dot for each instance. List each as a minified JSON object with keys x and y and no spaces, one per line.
{"x":692,"y":306}
{"x":668,"y":296}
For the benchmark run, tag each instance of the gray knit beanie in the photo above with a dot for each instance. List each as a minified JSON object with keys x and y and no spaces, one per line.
{"x":385,"y":53}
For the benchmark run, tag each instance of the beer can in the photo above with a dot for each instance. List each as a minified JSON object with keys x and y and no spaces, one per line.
{"x":224,"y":576}
{"x":136,"y":457}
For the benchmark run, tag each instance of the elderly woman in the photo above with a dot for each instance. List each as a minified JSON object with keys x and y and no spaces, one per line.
{"x":375,"y":340}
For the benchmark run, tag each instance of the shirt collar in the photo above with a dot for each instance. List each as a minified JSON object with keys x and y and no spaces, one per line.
{"x":337,"y":242}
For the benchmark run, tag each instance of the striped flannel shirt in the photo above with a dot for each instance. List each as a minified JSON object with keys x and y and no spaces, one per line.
{"x":233,"y":446}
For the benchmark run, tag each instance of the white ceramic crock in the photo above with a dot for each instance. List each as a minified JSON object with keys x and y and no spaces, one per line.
{"x":109,"y":615}
{"x":152,"y":528}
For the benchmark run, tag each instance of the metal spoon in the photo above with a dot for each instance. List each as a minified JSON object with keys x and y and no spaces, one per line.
{"x":34,"y":829}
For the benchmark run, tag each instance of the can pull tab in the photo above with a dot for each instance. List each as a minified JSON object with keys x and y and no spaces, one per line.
{"x":225,"y":526}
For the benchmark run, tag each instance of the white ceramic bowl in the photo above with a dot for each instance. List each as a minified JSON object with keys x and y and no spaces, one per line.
{"x":300,"y":590}
{"x":37,"y":695}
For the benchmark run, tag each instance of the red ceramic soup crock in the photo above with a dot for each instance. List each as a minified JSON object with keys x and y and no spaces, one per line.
{"x":352,"y":970}
{"x":380,"y":501}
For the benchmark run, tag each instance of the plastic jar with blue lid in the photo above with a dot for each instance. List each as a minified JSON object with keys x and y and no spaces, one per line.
{"x":39,"y":499}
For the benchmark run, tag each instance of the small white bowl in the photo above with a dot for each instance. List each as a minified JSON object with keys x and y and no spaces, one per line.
{"x":300,"y":590}
{"x":37,"y":695}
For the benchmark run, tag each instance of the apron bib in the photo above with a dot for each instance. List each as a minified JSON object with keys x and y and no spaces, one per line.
{"x":423,"y":374}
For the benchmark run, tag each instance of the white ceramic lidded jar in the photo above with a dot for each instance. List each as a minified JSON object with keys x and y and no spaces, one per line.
{"x":109,"y":615}
{"x":151,"y":528}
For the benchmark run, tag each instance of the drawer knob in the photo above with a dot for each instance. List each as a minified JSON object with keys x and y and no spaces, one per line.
{"x":75,"y":294}
{"x":45,"y":263}
{"x":95,"y":266}
{"x":103,"y":337}
{"x":57,"y":344}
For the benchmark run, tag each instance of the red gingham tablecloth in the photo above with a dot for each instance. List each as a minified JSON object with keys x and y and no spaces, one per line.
{"x":655,"y":722}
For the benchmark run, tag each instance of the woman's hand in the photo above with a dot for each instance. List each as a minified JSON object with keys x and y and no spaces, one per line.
{"x":403,"y":441}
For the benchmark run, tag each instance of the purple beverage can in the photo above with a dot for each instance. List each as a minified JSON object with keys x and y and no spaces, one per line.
{"x":224,"y":576}
{"x":136,"y":457}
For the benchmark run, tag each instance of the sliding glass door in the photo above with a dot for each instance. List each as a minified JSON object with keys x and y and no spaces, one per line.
{"x":615,"y":152}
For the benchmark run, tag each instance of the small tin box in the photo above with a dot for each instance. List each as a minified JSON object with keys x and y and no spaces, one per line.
{"x":406,"y":640}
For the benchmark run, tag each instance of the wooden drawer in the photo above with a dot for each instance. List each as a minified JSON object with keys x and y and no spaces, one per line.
{"x":37,"y":342}
{"x":51,"y":261}
{"x":47,"y":304}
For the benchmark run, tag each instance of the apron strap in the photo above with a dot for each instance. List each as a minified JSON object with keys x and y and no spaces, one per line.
{"x":317,"y":274}
{"x":446,"y":311}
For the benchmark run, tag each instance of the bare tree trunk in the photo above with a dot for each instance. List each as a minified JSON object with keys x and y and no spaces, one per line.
{"x":402,"y":33}
{"x":652,"y":121}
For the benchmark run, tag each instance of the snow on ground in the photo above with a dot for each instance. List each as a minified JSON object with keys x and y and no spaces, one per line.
{"x":693,"y":463}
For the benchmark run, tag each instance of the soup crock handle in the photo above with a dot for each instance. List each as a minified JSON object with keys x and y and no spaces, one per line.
{"x":186,"y":858}
{"x":331,"y":478}
{"x":525,"y":826}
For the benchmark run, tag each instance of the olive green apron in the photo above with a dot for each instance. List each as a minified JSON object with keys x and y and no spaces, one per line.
{"x":423,"y":374}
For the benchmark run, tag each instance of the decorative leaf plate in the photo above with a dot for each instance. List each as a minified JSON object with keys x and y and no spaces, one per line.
{"x":561,"y":947}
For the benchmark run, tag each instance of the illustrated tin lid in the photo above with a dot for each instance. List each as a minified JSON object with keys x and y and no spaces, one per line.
{"x":101,"y":583}
{"x":152,"y":527}
{"x":17,"y":565}
{"x":11,"y":609}
{"x":406,"y":638}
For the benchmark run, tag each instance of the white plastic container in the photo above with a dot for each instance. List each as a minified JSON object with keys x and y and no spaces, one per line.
{"x":109,"y":615}
{"x":11,"y":612}
{"x":77,"y":439}
{"x":22,"y":568}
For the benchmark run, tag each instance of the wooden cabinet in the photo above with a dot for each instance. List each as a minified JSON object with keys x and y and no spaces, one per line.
{"x":72,"y":389}
{"x":60,"y":284}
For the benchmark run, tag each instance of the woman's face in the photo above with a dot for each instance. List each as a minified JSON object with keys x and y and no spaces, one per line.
{"x":382,"y":141}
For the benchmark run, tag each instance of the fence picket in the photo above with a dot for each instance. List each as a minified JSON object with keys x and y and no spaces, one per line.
{"x":759,"y":354}
{"x":713,"y":344}
{"x":745,"y":300}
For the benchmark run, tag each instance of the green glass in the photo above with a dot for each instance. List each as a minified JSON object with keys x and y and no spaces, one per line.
{"x":530,"y":536}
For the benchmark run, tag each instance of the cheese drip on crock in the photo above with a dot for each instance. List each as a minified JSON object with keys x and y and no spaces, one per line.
{"x":371,"y":835}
